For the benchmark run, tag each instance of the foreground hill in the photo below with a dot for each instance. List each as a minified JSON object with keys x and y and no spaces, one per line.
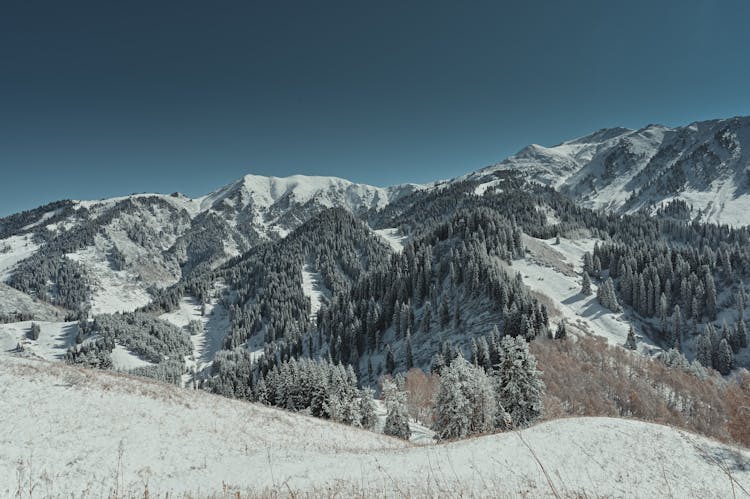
{"x":76,"y":431}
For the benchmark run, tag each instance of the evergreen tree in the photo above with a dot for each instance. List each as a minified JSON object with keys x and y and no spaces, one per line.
{"x":397,"y":418}
{"x":519,"y":387}
{"x":561,"y":333}
{"x":409,"y":355}
{"x":725,"y":357}
{"x":465,"y":403}
{"x":606,"y":295}
{"x":367,"y":410}
{"x":586,"y":285}
{"x":630,"y":342}
{"x":34,"y":331}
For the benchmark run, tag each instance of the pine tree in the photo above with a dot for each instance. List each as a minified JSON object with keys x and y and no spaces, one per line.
{"x":630,"y":342}
{"x":586,"y":285}
{"x":725,"y":357}
{"x":518,"y":384}
{"x":606,"y":295}
{"x":367,"y":410}
{"x":390,"y":362}
{"x":561,"y":333}
{"x":34,"y":331}
{"x":397,"y":418}
{"x":409,"y":355}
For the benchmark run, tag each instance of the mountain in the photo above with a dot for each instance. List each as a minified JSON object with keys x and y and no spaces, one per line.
{"x":706,"y":164}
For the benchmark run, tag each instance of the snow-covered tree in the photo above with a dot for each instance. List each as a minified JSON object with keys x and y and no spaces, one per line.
{"x":397,"y":418}
{"x":519,"y":387}
{"x":367,"y":410}
{"x":606,"y":295}
{"x":34,"y":331}
{"x":586,"y":285}
{"x":465,"y":403}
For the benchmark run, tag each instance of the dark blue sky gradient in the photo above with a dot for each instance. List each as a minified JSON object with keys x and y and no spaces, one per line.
{"x":106,"y":98}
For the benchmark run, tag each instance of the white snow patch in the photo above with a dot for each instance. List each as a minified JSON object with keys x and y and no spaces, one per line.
{"x":13,"y":250}
{"x":393,"y":237}
{"x":482,"y":188}
{"x":125,"y":360}
{"x":314,"y":289}
{"x":112,"y":290}
{"x":583,"y":312}
{"x":215,"y":324}
{"x":54,"y":338}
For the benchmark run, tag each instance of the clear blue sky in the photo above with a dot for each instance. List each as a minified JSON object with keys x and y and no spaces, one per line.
{"x":104,"y":98}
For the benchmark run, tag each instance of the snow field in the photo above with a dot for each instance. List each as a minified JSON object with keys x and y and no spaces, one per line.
{"x":78,"y":431}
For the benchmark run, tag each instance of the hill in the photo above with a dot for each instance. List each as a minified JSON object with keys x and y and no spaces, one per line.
{"x":92,"y":433}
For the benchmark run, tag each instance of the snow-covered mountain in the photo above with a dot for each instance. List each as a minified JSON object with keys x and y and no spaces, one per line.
{"x":706,"y":164}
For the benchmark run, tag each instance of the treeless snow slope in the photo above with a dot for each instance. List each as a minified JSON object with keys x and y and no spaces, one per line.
{"x":73,"y":431}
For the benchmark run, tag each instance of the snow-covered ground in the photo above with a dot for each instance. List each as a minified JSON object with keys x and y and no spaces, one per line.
{"x":112,"y":290}
{"x":554,"y":271}
{"x":13,"y":250}
{"x":125,"y":360}
{"x":215,"y":324}
{"x":420,"y":434}
{"x":54,"y":338}
{"x":314,"y":288}
{"x":393,"y":237}
{"x":95,"y":434}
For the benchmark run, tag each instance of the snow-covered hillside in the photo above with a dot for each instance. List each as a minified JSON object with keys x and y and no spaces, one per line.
{"x":96,"y":434}
{"x":706,"y":164}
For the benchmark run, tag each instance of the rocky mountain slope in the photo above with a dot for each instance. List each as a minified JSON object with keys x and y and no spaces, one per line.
{"x":706,"y":164}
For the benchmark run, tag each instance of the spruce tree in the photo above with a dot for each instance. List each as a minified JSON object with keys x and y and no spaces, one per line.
{"x":630,"y":342}
{"x":561,"y":333}
{"x":519,"y":387}
{"x":397,"y":418}
{"x":725,"y":357}
{"x":586,"y":285}
{"x":367,"y":410}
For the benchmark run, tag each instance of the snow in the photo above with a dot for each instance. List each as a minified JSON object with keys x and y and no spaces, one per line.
{"x":13,"y":250}
{"x":125,"y":360}
{"x":112,"y":290}
{"x":420,"y":434}
{"x":393,"y":237}
{"x":554,"y":271}
{"x":314,"y":289}
{"x":82,"y":432}
{"x":209,"y":340}
{"x":482,"y":188}
{"x":263,"y":192}
{"x":54,"y":338}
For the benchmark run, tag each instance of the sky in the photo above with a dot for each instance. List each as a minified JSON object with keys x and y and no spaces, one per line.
{"x":108,"y":98}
